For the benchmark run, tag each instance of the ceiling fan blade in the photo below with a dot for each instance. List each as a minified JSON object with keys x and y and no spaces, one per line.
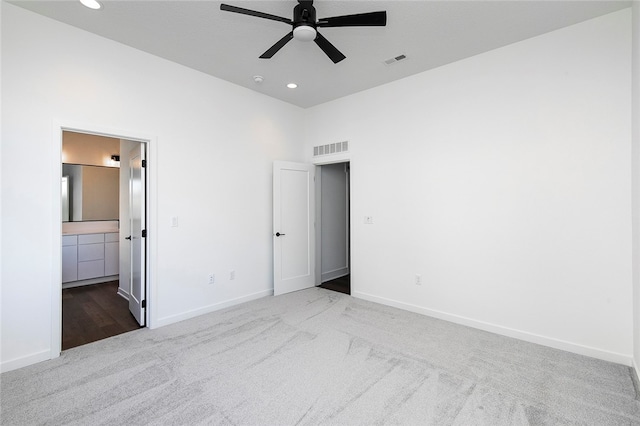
{"x":334,"y":54}
{"x":229,"y":8}
{"x":371,"y":19}
{"x":279,"y":45}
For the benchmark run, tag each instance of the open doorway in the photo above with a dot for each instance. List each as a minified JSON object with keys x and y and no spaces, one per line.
{"x":333,"y":259}
{"x":103,"y":227}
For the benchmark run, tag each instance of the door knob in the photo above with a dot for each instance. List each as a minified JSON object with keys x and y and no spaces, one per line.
{"x":278,"y":234}
{"x":128,"y":238}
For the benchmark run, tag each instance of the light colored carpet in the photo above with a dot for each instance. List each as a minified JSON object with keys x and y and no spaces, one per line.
{"x":317,"y":357}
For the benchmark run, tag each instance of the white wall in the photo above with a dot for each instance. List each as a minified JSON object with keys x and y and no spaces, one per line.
{"x":212,"y":147}
{"x":1,"y":192}
{"x":636,"y":180}
{"x":505,"y":181}
{"x":334,"y":253}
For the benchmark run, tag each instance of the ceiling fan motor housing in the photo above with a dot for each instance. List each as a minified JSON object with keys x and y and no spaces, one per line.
{"x":304,"y":21}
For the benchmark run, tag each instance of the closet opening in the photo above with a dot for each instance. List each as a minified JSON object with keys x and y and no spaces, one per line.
{"x":333,"y":249}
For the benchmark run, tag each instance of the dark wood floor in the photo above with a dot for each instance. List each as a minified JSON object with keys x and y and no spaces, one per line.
{"x":342,"y":284}
{"x":94,"y":312}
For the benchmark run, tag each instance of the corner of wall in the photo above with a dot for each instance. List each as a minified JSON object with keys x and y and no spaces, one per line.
{"x":635,"y":185}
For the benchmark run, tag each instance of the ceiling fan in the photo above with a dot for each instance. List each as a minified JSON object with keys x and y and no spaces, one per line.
{"x":305,"y":26}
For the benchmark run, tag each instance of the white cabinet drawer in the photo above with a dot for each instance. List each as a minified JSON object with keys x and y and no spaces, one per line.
{"x":90,"y":252}
{"x":92,"y":269}
{"x":90,"y":238}
{"x":69,"y":240}
{"x":111,"y":237}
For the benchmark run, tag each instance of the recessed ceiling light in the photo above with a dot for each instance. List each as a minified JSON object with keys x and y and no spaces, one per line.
{"x":292,"y":85}
{"x":91,"y":4}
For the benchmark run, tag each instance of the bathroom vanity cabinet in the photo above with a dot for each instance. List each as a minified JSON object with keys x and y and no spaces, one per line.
{"x":89,"y":257}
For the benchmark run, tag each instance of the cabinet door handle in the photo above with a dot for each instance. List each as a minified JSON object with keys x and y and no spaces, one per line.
{"x":128,"y":238}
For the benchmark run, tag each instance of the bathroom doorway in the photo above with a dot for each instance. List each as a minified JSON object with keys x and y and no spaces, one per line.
{"x":103,"y":237}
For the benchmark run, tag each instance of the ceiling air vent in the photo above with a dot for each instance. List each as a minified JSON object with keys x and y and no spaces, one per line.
{"x":332,"y":148}
{"x":396,"y":59}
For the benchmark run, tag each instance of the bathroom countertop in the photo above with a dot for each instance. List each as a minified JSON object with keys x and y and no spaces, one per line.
{"x":91,"y":231}
{"x":90,"y":227}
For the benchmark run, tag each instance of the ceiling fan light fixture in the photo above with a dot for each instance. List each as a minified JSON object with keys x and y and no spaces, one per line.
{"x":304,"y":33}
{"x":91,"y":4}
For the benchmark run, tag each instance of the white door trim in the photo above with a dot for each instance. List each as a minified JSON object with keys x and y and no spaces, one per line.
{"x":58,"y":126}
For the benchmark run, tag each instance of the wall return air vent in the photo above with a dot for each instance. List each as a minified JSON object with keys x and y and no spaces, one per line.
{"x":332,"y":148}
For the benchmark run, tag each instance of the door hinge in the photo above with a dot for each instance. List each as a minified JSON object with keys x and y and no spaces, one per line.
{"x":144,"y":233}
{"x":143,"y":304}
{"x":144,"y":163}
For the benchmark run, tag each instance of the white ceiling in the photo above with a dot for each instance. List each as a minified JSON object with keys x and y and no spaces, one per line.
{"x":227,"y":45}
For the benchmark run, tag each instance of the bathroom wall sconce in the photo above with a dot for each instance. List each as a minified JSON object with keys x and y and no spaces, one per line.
{"x":115,"y":157}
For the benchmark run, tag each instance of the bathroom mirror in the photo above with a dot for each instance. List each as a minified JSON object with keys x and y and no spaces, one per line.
{"x":90,"y":193}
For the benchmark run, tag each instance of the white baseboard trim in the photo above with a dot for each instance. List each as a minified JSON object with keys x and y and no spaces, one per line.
{"x":635,"y":378}
{"x":122,"y":293}
{"x":24,"y":361}
{"x":504,"y":331}
{"x":210,"y":308}
{"x":336,"y":273}
{"x":99,"y":280}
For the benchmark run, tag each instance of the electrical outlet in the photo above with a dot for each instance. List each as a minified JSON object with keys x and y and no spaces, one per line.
{"x":232,"y":275}
{"x":212,"y":278}
{"x":418,"y":279}
{"x":368,"y":220}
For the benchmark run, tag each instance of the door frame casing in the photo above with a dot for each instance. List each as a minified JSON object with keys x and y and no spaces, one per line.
{"x":58,"y":127}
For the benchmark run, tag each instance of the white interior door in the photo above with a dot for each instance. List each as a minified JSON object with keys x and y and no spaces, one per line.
{"x":293,"y":227}
{"x":137,"y":204}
